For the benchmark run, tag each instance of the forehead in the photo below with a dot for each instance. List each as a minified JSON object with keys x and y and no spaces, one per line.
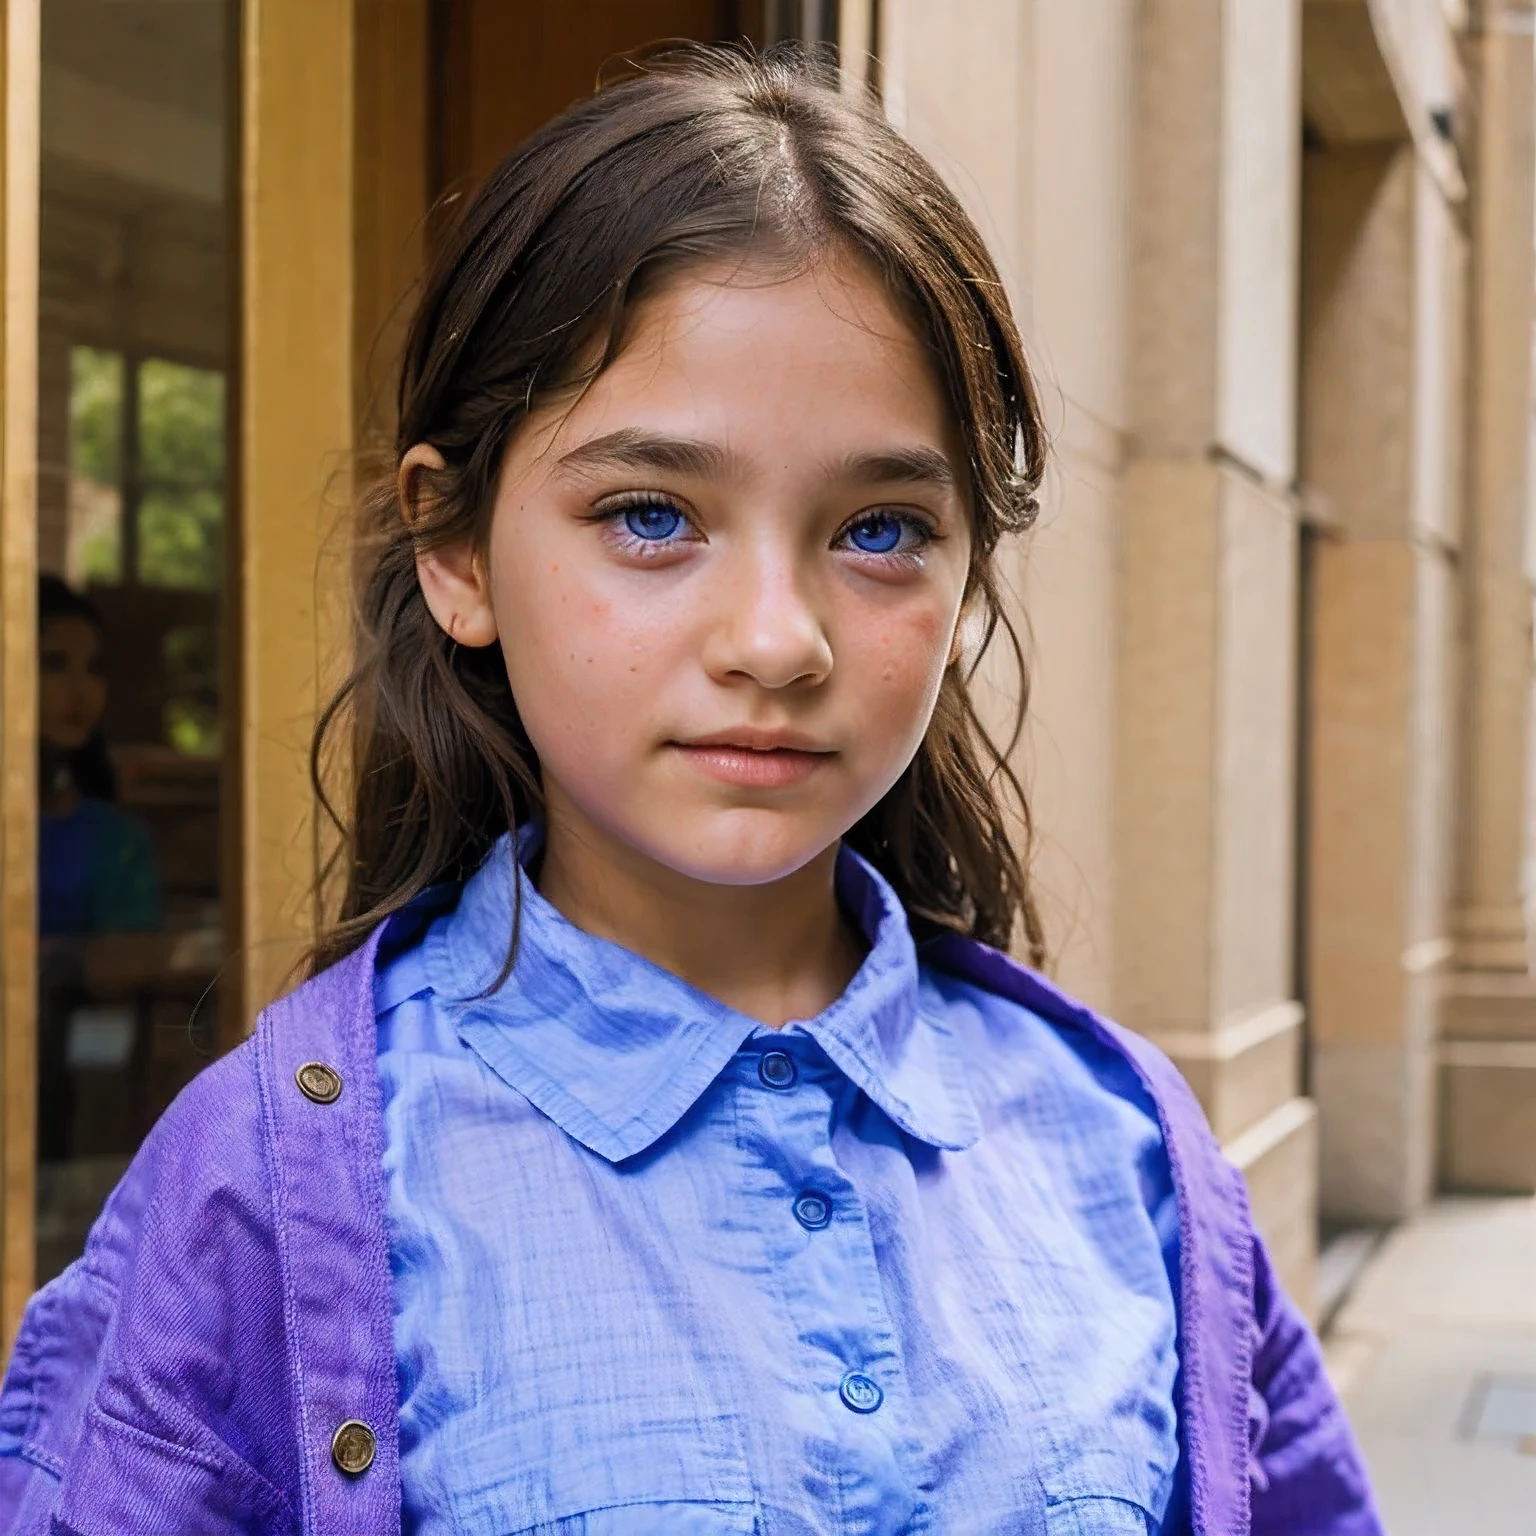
{"x":69,"y":629}
{"x":807,"y":362}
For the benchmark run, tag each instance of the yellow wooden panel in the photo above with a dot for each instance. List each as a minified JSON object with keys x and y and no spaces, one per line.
{"x":296,"y":440}
{"x":391,"y":196}
{"x":333,"y":195}
{"x":20,"y":68}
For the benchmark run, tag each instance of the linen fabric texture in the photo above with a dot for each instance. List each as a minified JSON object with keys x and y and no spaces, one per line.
{"x":909,"y":1265}
{"x":235,"y":1303}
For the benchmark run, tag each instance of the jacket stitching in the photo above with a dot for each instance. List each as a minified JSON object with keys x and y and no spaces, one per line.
{"x":172,"y":1412}
{"x":380,"y":1377}
{"x":285,"y":1268}
{"x":206,"y":1460}
{"x":216,"y":1464}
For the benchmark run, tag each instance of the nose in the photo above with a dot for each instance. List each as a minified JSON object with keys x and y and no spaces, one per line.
{"x":768,"y":627}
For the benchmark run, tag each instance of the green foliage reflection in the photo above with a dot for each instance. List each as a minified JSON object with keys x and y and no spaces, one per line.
{"x":181,"y":472}
{"x":95,"y":463}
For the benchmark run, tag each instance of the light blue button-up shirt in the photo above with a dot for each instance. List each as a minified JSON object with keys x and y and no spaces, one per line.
{"x":662,"y":1271}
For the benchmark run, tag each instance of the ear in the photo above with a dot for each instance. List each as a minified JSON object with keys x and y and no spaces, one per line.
{"x":453,"y":576}
{"x":962,"y":626}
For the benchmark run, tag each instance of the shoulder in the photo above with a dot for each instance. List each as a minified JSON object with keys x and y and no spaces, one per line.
{"x":128,"y":1359}
{"x":1215,"y":1223}
{"x":1005,"y":1037}
{"x":1018,"y":1009}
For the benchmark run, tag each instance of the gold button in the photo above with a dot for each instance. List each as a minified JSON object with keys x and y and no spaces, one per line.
{"x":319,"y":1082}
{"x":352,"y":1447}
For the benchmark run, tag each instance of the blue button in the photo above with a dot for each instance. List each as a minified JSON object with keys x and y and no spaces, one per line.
{"x":813,"y":1211}
{"x":859,"y":1393}
{"x":777,"y":1070}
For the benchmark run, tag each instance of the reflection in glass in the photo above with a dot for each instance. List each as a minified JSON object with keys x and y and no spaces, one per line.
{"x":134,"y":329}
{"x":180,"y":494}
{"x":95,"y":551}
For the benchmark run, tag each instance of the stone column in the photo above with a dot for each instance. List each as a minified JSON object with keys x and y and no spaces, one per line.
{"x":1489,"y":1021}
{"x":1382,"y":382}
{"x":1205,"y":759}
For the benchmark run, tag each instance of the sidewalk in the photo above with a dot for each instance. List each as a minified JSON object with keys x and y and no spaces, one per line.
{"x":1435,"y":1354}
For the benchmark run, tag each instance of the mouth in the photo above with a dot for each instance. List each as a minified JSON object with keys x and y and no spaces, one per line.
{"x":755,"y":759}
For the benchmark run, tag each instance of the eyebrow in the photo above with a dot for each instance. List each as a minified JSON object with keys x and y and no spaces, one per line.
{"x":636,"y":448}
{"x":918,"y":465}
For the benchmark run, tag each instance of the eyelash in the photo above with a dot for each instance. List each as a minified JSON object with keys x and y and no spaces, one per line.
{"x":612,"y":513}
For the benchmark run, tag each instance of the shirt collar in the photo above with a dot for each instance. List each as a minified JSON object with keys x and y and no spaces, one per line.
{"x":616,"y":1050}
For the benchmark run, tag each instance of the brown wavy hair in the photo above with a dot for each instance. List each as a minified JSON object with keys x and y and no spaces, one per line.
{"x":693,"y":155}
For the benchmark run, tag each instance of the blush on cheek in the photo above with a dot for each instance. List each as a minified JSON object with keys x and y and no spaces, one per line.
{"x":909,"y":652}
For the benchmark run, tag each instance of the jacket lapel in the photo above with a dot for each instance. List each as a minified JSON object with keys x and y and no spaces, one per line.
{"x":327,"y":1170}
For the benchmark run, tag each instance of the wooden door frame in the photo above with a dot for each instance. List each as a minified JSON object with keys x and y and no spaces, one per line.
{"x":333,"y":198}
{"x":20,"y":158}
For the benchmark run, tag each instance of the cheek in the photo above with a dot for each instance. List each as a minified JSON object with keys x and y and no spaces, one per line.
{"x":904,"y":656}
{"x":582,"y":666}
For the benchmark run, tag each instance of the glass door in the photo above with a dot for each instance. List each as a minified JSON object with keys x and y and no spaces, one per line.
{"x":133,"y":364}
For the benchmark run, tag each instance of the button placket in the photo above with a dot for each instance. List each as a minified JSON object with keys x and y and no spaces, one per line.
{"x":827,"y":1255}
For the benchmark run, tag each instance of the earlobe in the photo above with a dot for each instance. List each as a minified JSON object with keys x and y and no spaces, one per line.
{"x":453,"y":575}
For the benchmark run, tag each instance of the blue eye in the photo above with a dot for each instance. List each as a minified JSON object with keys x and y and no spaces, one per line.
{"x":653,"y":522}
{"x":878,"y":534}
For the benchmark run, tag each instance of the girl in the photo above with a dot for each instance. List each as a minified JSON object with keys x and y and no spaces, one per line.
{"x":665,"y":1144}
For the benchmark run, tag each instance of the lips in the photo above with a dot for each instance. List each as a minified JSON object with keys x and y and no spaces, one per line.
{"x":755,"y":759}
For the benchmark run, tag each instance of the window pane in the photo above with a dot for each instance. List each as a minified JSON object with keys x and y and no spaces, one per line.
{"x":95,"y":540}
{"x":179,"y":537}
{"x":181,"y":425}
{"x":191,"y":710}
{"x":133,"y":272}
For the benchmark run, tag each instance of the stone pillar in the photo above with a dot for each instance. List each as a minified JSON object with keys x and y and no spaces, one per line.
{"x":1489,"y":1022}
{"x":1205,"y":757}
{"x":1381,"y":393}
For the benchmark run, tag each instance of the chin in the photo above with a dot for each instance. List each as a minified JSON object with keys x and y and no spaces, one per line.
{"x":744,"y":847}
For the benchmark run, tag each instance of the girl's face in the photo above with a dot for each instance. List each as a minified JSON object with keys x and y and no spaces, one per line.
{"x":72,"y":685}
{"x":727,"y":580}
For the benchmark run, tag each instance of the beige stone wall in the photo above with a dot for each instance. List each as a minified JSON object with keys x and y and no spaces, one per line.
{"x":1488,"y":1053}
{"x":1026,"y":108}
{"x":1230,"y":731}
{"x":1135,"y":169}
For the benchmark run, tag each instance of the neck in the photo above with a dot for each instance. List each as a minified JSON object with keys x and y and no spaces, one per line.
{"x":774,"y":952}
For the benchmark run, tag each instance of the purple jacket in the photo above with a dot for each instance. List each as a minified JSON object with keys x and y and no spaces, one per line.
{"x":233,"y":1308}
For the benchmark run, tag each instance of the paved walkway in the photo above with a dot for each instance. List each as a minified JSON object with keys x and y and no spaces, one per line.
{"x":1435,"y":1354}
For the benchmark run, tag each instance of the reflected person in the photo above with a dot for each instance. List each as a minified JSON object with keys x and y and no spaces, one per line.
{"x":96,"y":867}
